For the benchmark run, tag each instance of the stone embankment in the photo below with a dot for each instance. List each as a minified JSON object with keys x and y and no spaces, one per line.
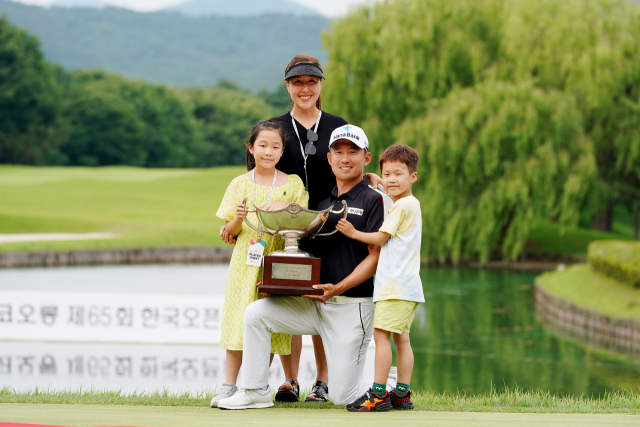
{"x":116,"y":256}
{"x":588,"y":326}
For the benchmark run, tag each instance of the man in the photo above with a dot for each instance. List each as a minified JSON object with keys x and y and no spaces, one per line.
{"x":343,"y":315}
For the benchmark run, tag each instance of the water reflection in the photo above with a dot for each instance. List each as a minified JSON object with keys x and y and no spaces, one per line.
{"x":57,"y":366}
{"x":483,"y":332}
{"x":477,"y":329}
{"x":104,"y":326}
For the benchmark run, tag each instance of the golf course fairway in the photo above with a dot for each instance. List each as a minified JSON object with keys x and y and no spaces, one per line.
{"x":167,"y":416}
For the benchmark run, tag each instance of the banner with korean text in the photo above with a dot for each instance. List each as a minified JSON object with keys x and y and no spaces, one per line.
{"x":124,"y":318}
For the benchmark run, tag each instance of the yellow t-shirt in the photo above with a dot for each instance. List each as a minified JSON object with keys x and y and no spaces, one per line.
{"x":398,"y":273}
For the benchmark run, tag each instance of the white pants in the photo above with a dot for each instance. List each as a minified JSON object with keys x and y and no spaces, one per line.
{"x":346,"y":331}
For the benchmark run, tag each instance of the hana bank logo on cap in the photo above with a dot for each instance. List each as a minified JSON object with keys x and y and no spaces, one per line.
{"x":350,"y":133}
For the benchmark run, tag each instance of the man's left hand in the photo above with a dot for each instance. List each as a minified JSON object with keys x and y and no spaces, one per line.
{"x":330,"y":290}
{"x":262,"y":294}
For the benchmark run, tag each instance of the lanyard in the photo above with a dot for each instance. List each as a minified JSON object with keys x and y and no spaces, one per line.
{"x":255,"y":185}
{"x":304,"y":155}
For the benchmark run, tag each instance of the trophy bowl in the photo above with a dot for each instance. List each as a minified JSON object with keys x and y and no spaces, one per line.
{"x":292,"y":271}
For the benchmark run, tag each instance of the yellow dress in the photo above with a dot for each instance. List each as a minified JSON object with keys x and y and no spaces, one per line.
{"x":241,"y":287}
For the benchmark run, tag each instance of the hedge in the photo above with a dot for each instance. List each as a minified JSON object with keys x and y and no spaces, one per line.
{"x":617,"y":259}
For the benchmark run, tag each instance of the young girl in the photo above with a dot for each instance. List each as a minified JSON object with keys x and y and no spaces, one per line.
{"x":268,"y":188}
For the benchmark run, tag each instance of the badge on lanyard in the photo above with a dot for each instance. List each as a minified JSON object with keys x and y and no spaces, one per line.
{"x":255,"y":253}
{"x":256,"y":249}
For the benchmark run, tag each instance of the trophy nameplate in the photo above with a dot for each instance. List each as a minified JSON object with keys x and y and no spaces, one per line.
{"x":289,"y":275}
{"x":292,"y":271}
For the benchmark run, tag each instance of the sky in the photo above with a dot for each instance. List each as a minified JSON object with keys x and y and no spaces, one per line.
{"x":330,"y":8}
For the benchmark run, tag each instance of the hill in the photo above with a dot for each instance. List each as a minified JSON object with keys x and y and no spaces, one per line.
{"x":239,"y":8}
{"x":171,"y":48}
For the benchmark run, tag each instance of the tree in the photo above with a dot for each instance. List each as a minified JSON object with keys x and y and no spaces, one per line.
{"x":116,"y":121}
{"x":493,"y":157}
{"x":104,"y":130}
{"x":28,"y":96}
{"x":590,"y":49}
{"x":224,"y":115}
{"x":278,"y":98}
{"x":389,"y":61}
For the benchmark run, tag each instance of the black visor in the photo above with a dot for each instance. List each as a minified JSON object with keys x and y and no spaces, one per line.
{"x":303,"y":69}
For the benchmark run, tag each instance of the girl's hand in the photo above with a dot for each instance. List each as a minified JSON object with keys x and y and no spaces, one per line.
{"x":346,"y":228}
{"x":272,"y":206}
{"x":241,"y":211}
{"x":262,"y":294}
{"x":226,"y":237}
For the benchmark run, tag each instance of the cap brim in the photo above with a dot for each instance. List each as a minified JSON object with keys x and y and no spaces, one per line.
{"x":304,"y":70}
{"x":357,"y":143}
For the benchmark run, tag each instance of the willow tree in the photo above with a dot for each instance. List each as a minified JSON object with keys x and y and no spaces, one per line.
{"x":591,"y":49}
{"x":493,"y":158}
{"x":389,"y":61}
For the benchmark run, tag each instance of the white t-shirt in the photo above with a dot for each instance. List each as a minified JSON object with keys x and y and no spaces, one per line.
{"x":398,"y":274}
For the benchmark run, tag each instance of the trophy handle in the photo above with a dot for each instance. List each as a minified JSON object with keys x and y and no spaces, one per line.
{"x":344,"y":209}
{"x":246,"y":221}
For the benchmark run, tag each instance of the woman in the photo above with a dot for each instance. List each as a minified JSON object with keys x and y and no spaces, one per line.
{"x":308,"y":131}
{"x":306,"y":152}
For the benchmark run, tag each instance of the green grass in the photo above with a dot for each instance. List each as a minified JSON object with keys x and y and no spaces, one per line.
{"x":157,"y":416}
{"x":618,"y":260}
{"x":168,"y":207}
{"x":549,"y":238}
{"x":623,"y":224}
{"x":583,"y":286}
{"x":144,"y":207}
{"x":510,"y":400}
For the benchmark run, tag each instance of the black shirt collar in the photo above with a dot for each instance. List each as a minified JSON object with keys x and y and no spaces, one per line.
{"x":353,"y":193}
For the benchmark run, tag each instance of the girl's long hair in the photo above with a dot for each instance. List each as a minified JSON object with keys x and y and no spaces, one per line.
{"x":305,"y":58}
{"x":255,"y":131}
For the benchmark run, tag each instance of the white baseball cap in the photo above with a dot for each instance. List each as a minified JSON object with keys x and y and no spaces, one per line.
{"x":350,"y":133}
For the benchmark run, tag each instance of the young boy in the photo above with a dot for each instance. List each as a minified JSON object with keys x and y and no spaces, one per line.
{"x":398,"y":288}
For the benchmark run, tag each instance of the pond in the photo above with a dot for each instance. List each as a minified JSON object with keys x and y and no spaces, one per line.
{"x":156,"y":327}
{"x":478,"y":329}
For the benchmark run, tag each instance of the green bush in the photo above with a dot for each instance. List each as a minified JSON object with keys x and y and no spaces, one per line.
{"x":620,"y":260}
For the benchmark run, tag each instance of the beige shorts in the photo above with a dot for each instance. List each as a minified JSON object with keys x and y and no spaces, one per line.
{"x":394,"y":315}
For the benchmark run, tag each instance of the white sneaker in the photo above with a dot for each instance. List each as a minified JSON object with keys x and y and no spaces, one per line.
{"x":248,"y":399}
{"x":227,"y":390}
{"x":393,"y":378}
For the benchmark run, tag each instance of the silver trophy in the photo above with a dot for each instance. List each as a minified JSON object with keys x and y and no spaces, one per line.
{"x":292,"y":271}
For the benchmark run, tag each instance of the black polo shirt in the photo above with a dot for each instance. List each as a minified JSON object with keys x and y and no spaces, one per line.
{"x":321,"y":179}
{"x":341,"y":255}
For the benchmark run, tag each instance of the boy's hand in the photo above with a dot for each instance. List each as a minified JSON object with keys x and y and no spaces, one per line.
{"x":241,"y":211}
{"x":346,"y":228}
{"x":374,"y":180}
{"x":272,"y":206}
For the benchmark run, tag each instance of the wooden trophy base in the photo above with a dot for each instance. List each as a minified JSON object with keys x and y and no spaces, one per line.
{"x":291,"y":275}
